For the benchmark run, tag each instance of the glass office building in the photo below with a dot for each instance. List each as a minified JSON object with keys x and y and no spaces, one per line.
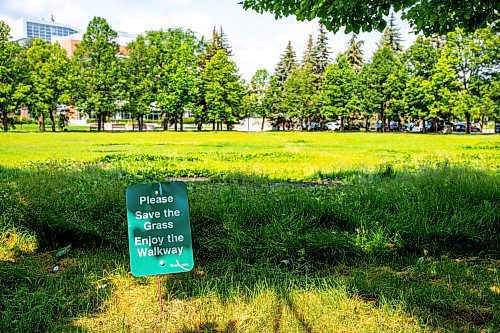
{"x":24,"y":29}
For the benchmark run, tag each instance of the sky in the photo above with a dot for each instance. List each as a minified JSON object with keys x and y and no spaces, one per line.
{"x":257,"y":40}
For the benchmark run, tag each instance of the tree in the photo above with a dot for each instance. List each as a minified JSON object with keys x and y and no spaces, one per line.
{"x":427,"y":16}
{"x":355,"y":54}
{"x":13,"y":77}
{"x":421,"y":57}
{"x":218,"y":42}
{"x":272,"y":102}
{"x":96,"y":55}
{"x":287,"y":63}
{"x":420,"y":93}
{"x":338,"y":96}
{"x":394,"y":90}
{"x":391,"y":36}
{"x":178,"y":76}
{"x":380,"y":74}
{"x":176,"y":69}
{"x":310,"y":56}
{"x":321,"y":51}
{"x":223,"y":90}
{"x":259,"y":86}
{"x":49,"y":80}
{"x":300,"y":96}
{"x":137,"y":78}
{"x":474,"y":60}
{"x":438,"y":91}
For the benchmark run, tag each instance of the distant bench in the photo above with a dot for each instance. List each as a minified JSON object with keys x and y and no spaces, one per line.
{"x":122,"y":127}
{"x":118,"y":127}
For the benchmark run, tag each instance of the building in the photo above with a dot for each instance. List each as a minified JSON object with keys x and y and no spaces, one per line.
{"x":70,"y":42}
{"x":25,"y":29}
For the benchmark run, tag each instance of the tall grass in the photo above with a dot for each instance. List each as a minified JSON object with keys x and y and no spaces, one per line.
{"x":442,"y":209}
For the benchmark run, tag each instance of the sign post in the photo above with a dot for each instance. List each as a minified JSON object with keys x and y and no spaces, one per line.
{"x":159,"y":231}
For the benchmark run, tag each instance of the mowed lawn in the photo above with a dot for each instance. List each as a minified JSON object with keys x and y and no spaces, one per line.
{"x":295,"y":155}
{"x":405,"y":239}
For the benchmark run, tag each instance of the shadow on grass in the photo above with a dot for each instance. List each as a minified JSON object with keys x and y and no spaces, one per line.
{"x":250,"y":238}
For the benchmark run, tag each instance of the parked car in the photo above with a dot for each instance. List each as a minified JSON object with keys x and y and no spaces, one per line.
{"x":393,"y":126}
{"x":333,"y":125}
{"x":419,"y":128}
{"x":460,"y":127}
{"x":407,"y":127}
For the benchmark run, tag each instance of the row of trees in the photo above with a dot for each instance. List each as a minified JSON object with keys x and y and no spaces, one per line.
{"x":171,"y":71}
{"x":167,"y":71}
{"x":437,"y":79}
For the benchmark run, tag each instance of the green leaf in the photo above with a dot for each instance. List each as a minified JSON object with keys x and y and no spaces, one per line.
{"x":63,"y":251}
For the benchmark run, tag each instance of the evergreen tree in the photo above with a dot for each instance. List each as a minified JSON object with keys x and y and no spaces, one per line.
{"x":287,"y":63}
{"x":218,"y":42}
{"x":223,"y":90}
{"x":310,"y":57}
{"x":321,"y":51}
{"x":355,"y":54}
{"x":224,"y":42}
{"x":96,"y":55}
{"x":391,"y":36}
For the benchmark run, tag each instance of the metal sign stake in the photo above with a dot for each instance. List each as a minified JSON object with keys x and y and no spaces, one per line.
{"x":160,"y":298}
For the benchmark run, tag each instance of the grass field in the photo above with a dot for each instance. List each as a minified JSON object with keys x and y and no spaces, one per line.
{"x":293,"y":155}
{"x":294,"y":232}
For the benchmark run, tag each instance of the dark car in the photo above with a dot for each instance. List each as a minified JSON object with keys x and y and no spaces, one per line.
{"x":460,"y":127}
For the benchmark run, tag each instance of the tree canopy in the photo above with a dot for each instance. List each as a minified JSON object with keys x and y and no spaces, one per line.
{"x":427,"y":16}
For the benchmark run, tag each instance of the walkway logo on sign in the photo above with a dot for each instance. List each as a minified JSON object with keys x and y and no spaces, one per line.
{"x":159,"y":231}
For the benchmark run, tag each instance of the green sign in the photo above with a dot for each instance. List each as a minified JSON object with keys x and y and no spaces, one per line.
{"x":159,"y":232}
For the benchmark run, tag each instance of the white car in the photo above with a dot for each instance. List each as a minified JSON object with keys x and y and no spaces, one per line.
{"x":333,"y":126}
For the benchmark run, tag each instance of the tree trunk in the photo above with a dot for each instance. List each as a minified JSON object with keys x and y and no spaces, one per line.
{"x":213,"y":125}
{"x":341,"y":129}
{"x":227,"y":126}
{"x":165,"y":124}
{"x":467,"y":122}
{"x":5,"y":123}
{"x":482,"y":122}
{"x":182,"y":123}
{"x":99,"y":122}
{"x":175,"y":123}
{"x":367,"y":124}
{"x":200,"y":124}
{"x":41,"y":122}
{"x":53,"y":121}
{"x":263,"y":121}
